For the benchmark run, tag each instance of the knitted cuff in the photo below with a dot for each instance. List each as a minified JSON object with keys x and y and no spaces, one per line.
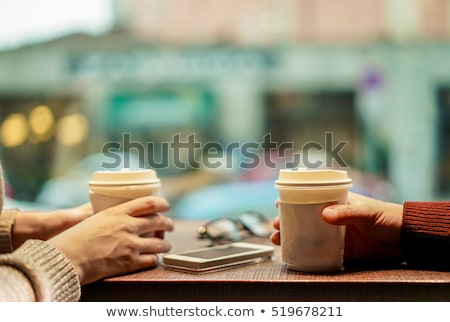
{"x":51,"y":274}
{"x":426,"y":234}
{"x":7,"y":218}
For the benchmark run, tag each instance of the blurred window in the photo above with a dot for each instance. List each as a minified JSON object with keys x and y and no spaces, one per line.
{"x":151,"y":120}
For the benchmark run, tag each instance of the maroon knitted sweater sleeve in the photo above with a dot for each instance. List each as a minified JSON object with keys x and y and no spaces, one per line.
{"x":426,"y":234}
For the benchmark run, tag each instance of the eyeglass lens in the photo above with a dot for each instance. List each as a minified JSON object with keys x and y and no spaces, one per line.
{"x":254,"y":222}
{"x":229,"y":229}
{"x":223,"y":229}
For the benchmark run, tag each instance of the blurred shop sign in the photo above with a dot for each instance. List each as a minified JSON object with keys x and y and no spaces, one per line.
{"x":169,"y":65}
{"x":160,"y":109}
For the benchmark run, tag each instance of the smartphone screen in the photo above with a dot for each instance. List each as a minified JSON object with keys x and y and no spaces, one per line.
{"x":215,"y":257}
{"x":218,"y":252}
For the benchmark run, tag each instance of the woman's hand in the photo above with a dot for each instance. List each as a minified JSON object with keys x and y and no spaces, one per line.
{"x":44,"y":225}
{"x":373,"y":227}
{"x":113,"y":241}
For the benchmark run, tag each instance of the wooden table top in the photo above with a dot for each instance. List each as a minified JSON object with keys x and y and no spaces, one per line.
{"x":268,"y":281}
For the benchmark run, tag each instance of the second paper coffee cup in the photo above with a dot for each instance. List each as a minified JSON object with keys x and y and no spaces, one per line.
{"x":308,"y":243}
{"x":110,"y":188}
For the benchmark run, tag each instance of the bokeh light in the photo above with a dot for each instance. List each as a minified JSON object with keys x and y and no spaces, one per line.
{"x":72,"y":129}
{"x":14,"y":130}
{"x":41,"y":121}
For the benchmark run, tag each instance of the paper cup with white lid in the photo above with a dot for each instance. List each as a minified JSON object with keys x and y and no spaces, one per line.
{"x":110,"y":188}
{"x":308,"y":243}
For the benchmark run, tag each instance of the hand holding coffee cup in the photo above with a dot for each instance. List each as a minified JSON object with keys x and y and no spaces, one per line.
{"x":110,"y":188}
{"x":308,"y":243}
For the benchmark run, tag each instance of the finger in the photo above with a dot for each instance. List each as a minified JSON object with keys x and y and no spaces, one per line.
{"x":276,"y":223}
{"x":146,"y":261}
{"x":153,"y":223}
{"x":358,"y":199}
{"x":275,"y":238}
{"x":145,"y":206}
{"x":153,"y":246}
{"x":350,"y":214}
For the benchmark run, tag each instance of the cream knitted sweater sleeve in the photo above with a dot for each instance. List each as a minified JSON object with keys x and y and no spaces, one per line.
{"x":36,"y":271}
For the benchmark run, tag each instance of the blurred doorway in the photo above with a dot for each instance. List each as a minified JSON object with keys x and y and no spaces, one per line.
{"x":443,"y":157}
{"x":302,"y":117}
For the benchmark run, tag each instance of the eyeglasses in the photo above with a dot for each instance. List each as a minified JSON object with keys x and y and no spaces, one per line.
{"x":227,"y":229}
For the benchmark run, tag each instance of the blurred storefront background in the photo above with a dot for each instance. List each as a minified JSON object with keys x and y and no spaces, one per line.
{"x":374,"y":73}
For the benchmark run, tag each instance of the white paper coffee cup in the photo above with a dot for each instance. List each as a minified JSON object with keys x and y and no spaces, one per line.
{"x":308,"y":243}
{"x":110,"y":188}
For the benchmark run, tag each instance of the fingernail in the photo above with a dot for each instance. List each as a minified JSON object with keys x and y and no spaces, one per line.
{"x":329,"y":212}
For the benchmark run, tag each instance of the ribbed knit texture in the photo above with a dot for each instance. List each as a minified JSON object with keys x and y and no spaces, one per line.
{"x":7,"y":218}
{"x":50,"y":273}
{"x":426,"y":234}
{"x":62,"y":282}
{"x":15,"y":286}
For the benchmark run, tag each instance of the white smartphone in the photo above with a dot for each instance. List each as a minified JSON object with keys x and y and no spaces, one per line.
{"x":217,"y":257}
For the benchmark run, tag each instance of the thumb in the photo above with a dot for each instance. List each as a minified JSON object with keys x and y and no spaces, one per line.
{"x":350,"y":215}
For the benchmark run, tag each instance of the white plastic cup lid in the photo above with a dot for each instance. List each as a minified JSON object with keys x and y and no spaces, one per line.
{"x":129,"y":177}
{"x":312,"y":177}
